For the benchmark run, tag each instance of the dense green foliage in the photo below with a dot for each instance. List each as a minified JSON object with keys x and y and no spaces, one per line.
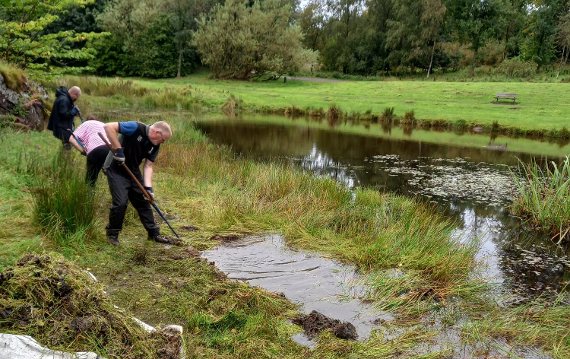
{"x":373,"y":37}
{"x":240,"y":41}
{"x":27,"y":40}
{"x":244,"y":38}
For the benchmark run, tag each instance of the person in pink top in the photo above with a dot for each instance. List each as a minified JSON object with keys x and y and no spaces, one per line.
{"x":87,"y":141}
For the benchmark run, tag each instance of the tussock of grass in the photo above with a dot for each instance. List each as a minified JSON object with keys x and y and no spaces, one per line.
{"x":14,"y":78}
{"x":544,"y":197}
{"x":64,"y":204}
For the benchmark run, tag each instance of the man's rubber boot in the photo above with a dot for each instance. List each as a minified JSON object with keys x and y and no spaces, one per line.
{"x":114,"y":241}
{"x":159,"y":238}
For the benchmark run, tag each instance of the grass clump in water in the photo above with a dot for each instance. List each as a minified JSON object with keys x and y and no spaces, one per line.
{"x":544,"y":197}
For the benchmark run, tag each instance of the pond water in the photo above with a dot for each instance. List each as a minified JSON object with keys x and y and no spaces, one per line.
{"x":329,"y":287}
{"x":467,"y":176}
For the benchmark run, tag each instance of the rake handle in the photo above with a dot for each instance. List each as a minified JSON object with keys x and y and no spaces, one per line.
{"x":134,"y":178}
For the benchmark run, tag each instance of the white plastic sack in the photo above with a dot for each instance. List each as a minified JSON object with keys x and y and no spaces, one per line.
{"x":25,"y":347}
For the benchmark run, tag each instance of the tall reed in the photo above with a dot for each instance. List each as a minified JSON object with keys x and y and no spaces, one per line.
{"x":543,"y":197}
{"x":64,"y":205}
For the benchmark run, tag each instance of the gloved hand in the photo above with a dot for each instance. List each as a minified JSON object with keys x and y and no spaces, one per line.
{"x":119,"y":156}
{"x":84,"y":153}
{"x":74,"y":111}
{"x":150,"y":192}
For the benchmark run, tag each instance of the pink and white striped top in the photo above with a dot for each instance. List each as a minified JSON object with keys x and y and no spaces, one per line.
{"x":88,"y":134}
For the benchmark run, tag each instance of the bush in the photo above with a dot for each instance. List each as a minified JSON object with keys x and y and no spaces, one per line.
{"x":516,"y":67}
{"x":409,"y":118}
{"x":387,"y":115}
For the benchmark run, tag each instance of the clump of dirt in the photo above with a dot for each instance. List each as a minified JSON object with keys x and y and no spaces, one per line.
{"x":170,"y":240}
{"x":189,"y":228}
{"x":228,"y":238}
{"x":315,"y":322}
{"x":57,"y":304}
{"x":186,"y":253}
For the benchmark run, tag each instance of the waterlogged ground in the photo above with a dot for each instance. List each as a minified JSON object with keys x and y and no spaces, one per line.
{"x":335,"y":290}
{"x":474,"y":185}
{"x":313,"y":282}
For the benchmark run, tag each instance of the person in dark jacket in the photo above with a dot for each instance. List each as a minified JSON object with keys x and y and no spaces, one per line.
{"x":63,"y":113}
{"x":140,"y":142}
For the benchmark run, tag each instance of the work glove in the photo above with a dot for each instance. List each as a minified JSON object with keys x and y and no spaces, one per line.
{"x":119,"y":156}
{"x":150,"y":192}
{"x":84,"y":153}
{"x":74,"y":111}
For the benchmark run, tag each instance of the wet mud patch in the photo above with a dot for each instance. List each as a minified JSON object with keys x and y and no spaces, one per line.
{"x":315,"y":322}
{"x":189,"y":228}
{"x":170,"y":240}
{"x":225,"y":238}
{"x":314,"y":283}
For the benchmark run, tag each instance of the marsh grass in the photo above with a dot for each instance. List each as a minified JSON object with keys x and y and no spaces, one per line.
{"x":362,"y":226}
{"x":544,"y":197}
{"x":183,"y":97}
{"x":64,"y":205}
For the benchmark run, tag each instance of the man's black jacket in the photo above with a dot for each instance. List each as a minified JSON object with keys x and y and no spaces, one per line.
{"x":61,"y":119}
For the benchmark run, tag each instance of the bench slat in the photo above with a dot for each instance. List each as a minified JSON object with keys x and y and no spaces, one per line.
{"x":510,"y":96}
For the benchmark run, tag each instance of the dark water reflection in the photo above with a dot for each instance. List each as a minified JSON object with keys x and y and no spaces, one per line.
{"x":472,"y":184}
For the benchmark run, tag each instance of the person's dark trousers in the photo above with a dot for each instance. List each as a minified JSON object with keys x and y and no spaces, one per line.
{"x":95,"y":161}
{"x":123,"y":190}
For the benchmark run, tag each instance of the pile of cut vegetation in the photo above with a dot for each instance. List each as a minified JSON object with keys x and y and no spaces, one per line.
{"x":61,"y":307}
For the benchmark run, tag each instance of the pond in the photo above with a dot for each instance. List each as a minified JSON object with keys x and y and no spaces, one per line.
{"x":468,"y":176}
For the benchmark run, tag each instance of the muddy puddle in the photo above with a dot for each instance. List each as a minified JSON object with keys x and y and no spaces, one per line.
{"x":314,"y":283}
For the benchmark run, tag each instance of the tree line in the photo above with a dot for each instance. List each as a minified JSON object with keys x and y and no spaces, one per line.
{"x":268,"y":38}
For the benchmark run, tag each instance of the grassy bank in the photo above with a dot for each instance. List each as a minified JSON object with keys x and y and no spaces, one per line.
{"x":539,"y":112}
{"x":205,"y":186}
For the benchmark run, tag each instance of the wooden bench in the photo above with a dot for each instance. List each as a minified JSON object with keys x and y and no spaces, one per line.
{"x":506,"y":96}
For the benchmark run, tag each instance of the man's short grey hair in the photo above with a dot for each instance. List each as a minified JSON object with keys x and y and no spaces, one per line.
{"x":75,"y":90}
{"x":162,"y":127}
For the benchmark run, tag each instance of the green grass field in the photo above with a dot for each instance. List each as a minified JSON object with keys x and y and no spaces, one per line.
{"x":539,"y":105}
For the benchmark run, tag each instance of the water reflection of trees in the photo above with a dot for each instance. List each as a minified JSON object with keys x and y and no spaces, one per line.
{"x":346,"y":158}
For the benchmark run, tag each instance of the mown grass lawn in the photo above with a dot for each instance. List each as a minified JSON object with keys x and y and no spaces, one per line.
{"x":539,"y":105}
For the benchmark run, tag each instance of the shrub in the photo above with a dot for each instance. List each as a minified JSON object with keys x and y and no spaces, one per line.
{"x":409,"y":118}
{"x":387,"y":115}
{"x":333,"y":113}
{"x":516,"y":67}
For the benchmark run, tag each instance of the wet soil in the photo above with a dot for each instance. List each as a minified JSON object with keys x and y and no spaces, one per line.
{"x":315,"y":322}
{"x":314,"y":283}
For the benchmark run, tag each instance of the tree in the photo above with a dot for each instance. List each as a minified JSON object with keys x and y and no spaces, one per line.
{"x":432,"y":19}
{"x":238,"y":40}
{"x":182,"y":15}
{"x":473,"y":22}
{"x":341,"y":51}
{"x":540,"y":41}
{"x":312,"y":22}
{"x":24,"y":41}
{"x":564,"y":40}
